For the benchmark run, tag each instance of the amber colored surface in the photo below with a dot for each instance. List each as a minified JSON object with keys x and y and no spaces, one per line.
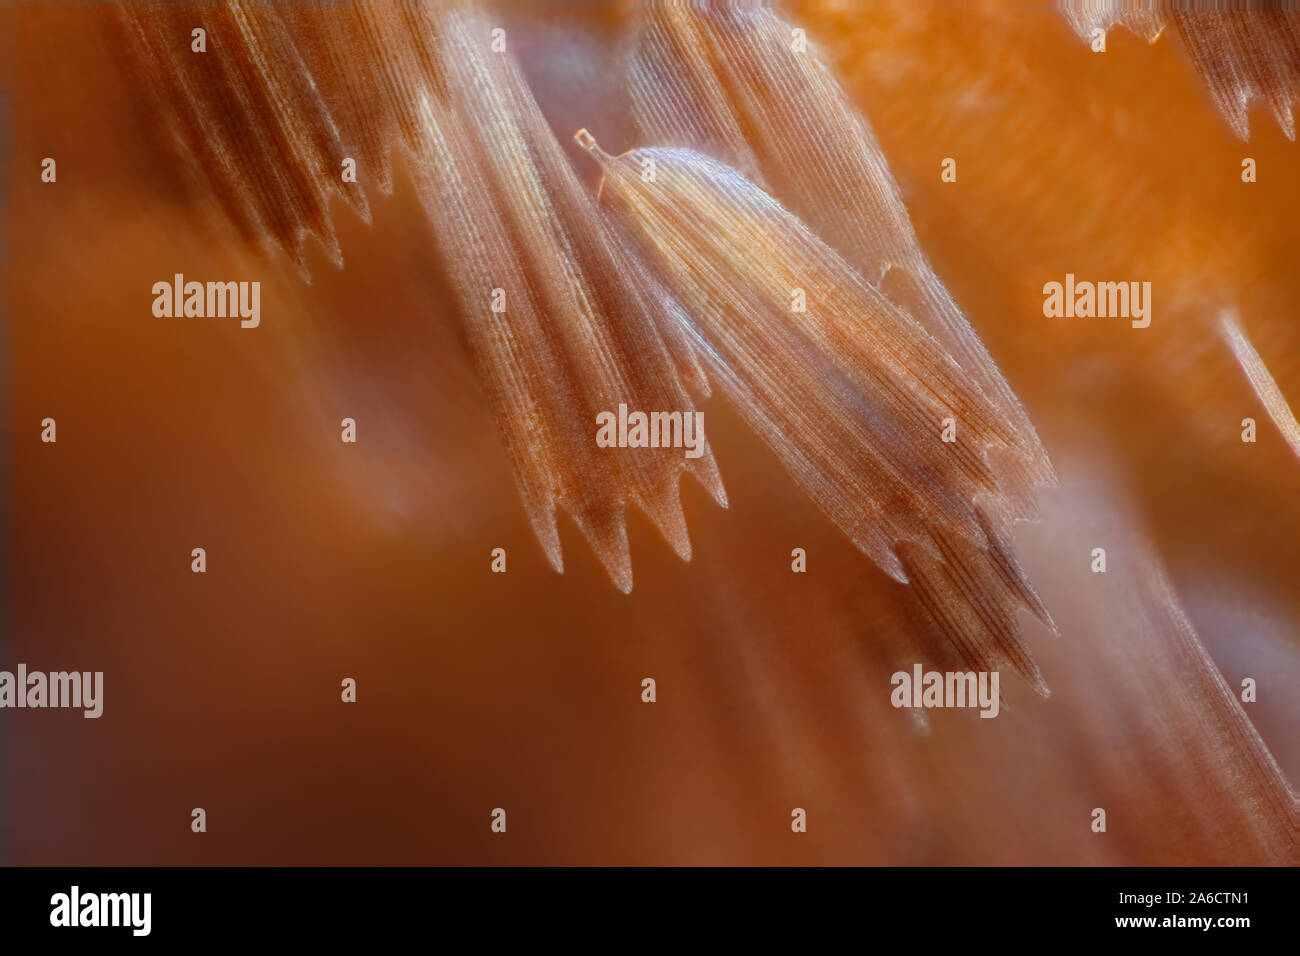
{"x":522,"y":690}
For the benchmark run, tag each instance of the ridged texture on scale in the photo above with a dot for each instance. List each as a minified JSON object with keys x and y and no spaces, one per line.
{"x":730,"y":81}
{"x":851,"y":395}
{"x":1261,"y":380}
{"x":1244,"y":54}
{"x":575,"y":337}
{"x":247,"y":118}
{"x":725,"y":80}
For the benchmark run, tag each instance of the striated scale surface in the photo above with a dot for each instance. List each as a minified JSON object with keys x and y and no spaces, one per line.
{"x":849,"y":391}
{"x":1245,"y":55}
